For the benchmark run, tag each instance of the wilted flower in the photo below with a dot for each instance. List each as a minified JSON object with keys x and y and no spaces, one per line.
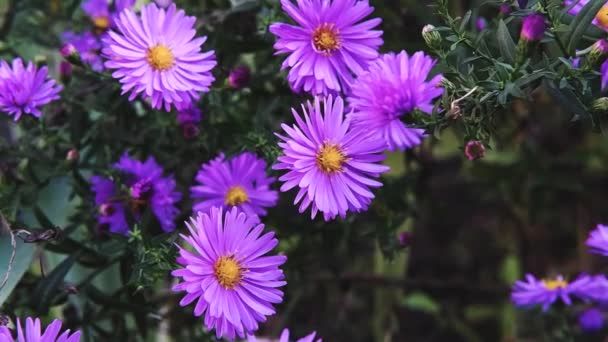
{"x":164,"y":65}
{"x":24,"y":89}
{"x":393,"y":87}
{"x":598,"y":240}
{"x":33,"y":332}
{"x":285,"y":337}
{"x":147,"y":187}
{"x":239,"y":77}
{"x":240,"y":182}
{"x":591,"y":320}
{"x":333,"y":165}
{"x":533,"y":27}
{"x":474,"y":150}
{"x":228,"y":274}
{"x":328,"y":45}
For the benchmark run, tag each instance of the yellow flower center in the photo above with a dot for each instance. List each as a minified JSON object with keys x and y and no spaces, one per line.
{"x":602,"y":17}
{"x":553,"y":284}
{"x":101,"y":23}
{"x":160,"y":57}
{"x":228,"y":272}
{"x":236,"y":195}
{"x":325,"y":39}
{"x":330,"y":158}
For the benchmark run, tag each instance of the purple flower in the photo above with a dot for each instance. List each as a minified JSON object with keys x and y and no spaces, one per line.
{"x":147,"y":187}
{"x":68,"y":50}
{"x":189,"y":115}
{"x":99,"y":12}
{"x":545,"y":292}
{"x":591,"y":320}
{"x":227,"y":273}
{"x":24,"y":89}
{"x":604,"y":72}
{"x":601,"y":18}
{"x":160,"y":63}
{"x":237,"y":182}
{"x":239,"y":77}
{"x":333,"y":165}
{"x":33,"y":333}
{"x":505,"y":9}
{"x":598,"y":240}
{"x":394,"y":86}
{"x":533,"y":27}
{"x":474,"y":150}
{"x":328,"y":45}
{"x":88,"y":47}
{"x":481,"y":23}
{"x":285,"y":337}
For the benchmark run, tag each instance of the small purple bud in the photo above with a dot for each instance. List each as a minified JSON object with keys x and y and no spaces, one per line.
{"x":405,"y":239}
{"x":189,"y":115}
{"x":190,"y":131}
{"x":239,"y":77}
{"x":72,"y":155}
{"x":505,"y":9}
{"x":474,"y":150}
{"x":163,"y":3}
{"x":481,"y":23}
{"x":68,"y":50}
{"x":533,"y":28}
{"x":591,"y":320}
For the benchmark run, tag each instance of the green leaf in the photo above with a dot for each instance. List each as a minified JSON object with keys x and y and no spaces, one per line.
{"x":50,"y":286}
{"x":506,"y":45}
{"x":24,"y":253}
{"x":580,"y":24}
{"x":567,"y":99}
{"x":421,"y":302}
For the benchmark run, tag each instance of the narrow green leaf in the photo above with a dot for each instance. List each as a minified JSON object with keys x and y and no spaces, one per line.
{"x":506,"y":45}
{"x":580,"y":24}
{"x":567,"y":99}
{"x":50,"y":286}
{"x":12,"y":269}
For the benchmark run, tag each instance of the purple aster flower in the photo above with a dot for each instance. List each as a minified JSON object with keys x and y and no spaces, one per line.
{"x":591,"y":320}
{"x":601,"y":18}
{"x":394,"y":86}
{"x":99,"y":12}
{"x":23,"y":89}
{"x":592,"y":288}
{"x":328,"y":45}
{"x":147,"y":187}
{"x":333,"y":165}
{"x":237,"y":182}
{"x":285,"y":338}
{"x":545,"y":292}
{"x":111,"y":210}
{"x":533,"y":27}
{"x":239,"y":77}
{"x":88,"y":47}
{"x":160,"y":63}
{"x":33,"y":333}
{"x":234,"y":283}
{"x":598,"y":240}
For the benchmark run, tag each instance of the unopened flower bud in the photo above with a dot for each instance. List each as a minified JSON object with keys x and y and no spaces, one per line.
{"x":239,"y":77}
{"x":505,"y":9}
{"x":72,"y":155}
{"x":67,"y":50}
{"x":431,"y":37}
{"x":600,"y":105}
{"x":481,"y":23}
{"x":591,"y":320}
{"x":163,"y":3}
{"x":597,"y":55}
{"x":474,"y":150}
{"x":532,"y":31}
{"x":190,"y":131}
{"x":65,"y":71}
{"x":405,"y":239}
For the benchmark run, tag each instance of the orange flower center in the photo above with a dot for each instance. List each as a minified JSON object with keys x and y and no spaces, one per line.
{"x":553,"y":284}
{"x":228,"y":272}
{"x":326,"y":39}
{"x":160,"y":57}
{"x":101,"y":23}
{"x":330,"y":158}
{"x":236,"y":195}
{"x":602,"y":17}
